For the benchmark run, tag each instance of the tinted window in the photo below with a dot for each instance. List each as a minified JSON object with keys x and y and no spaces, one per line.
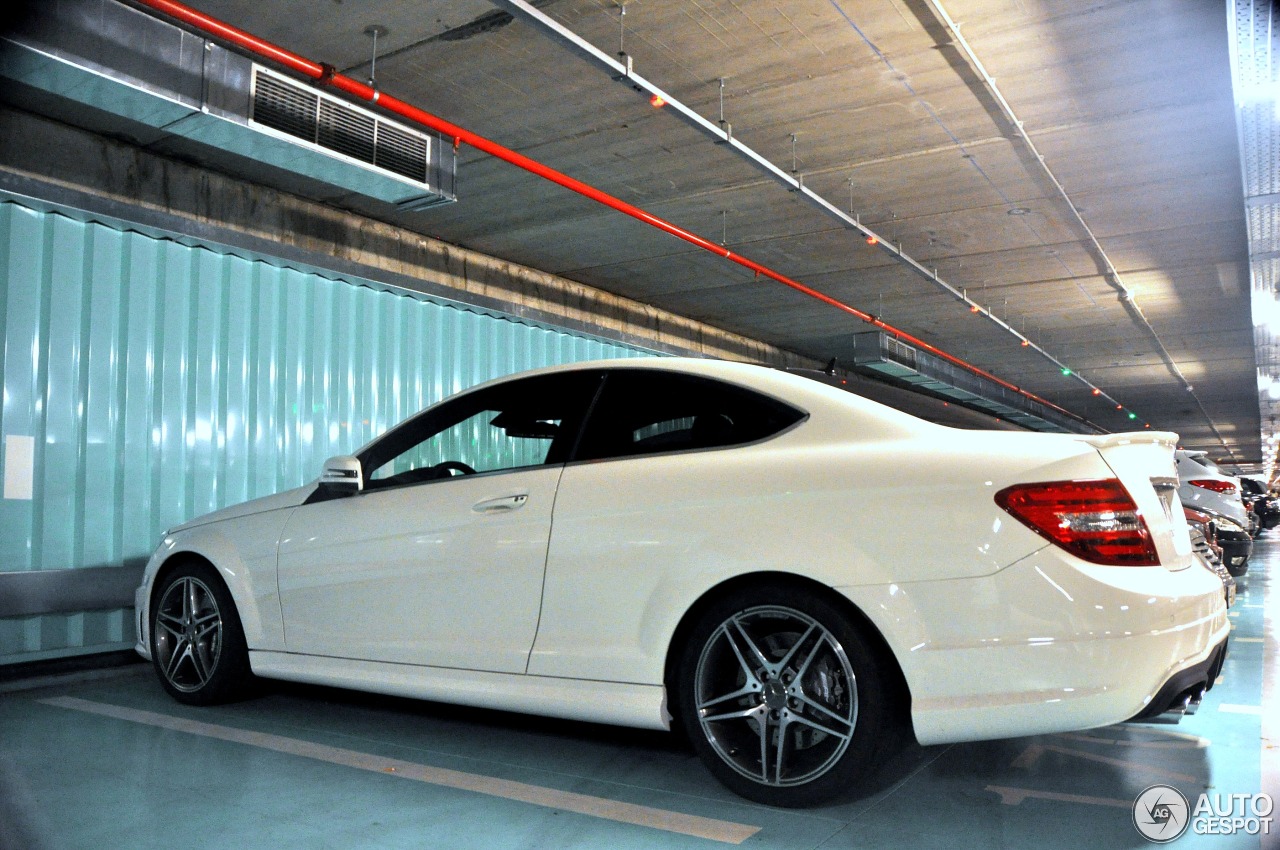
{"x":530,"y":422}
{"x":644,"y":412}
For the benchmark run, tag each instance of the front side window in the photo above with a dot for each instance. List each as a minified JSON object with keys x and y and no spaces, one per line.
{"x":524,"y":423}
{"x":652,"y":411}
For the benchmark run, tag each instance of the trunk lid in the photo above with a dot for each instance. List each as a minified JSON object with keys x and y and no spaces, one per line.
{"x":1144,"y":463}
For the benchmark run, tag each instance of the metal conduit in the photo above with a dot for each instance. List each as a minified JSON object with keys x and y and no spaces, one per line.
{"x":722,"y":133}
{"x":325,"y":74}
{"x":1111,"y":275}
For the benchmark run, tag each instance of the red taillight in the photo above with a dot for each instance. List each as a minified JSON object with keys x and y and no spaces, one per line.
{"x":1214,"y":485}
{"x":1094,"y":520}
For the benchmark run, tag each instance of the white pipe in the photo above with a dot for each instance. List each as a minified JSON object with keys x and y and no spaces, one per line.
{"x":623,"y":71}
{"x":1112,"y":276}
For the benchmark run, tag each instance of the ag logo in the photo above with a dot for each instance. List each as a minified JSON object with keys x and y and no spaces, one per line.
{"x":1161,"y":813}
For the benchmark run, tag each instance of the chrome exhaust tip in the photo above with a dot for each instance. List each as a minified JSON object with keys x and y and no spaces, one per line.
{"x":1176,"y":711}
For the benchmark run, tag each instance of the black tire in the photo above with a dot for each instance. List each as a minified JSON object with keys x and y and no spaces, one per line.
{"x":197,"y":643}
{"x":798,"y":708}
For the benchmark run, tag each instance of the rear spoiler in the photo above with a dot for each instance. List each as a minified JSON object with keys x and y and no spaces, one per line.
{"x":1128,"y":438}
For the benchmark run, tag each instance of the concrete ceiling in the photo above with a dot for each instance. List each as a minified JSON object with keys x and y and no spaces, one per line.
{"x":1128,"y":101}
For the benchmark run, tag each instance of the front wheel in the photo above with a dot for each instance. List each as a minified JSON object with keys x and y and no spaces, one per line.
{"x":197,"y":643}
{"x":784,"y":700}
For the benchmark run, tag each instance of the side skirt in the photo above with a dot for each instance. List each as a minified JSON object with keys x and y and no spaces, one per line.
{"x":621,"y":704}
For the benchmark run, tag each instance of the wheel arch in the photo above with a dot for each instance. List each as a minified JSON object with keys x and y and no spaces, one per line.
{"x":176,"y":561}
{"x":205,"y":659}
{"x":172,"y":562}
{"x":900,"y":693}
{"x":255,"y":609}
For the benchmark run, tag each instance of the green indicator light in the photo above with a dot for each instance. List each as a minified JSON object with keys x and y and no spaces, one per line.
{"x":1133,"y":416}
{"x":1066,"y":371}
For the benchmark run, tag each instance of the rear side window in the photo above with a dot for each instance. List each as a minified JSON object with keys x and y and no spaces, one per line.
{"x":649,"y":411}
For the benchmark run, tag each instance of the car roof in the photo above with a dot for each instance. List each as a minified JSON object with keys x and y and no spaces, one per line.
{"x":814,"y":397}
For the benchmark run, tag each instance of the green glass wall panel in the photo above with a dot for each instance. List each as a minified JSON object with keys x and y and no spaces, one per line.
{"x":158,"y":381}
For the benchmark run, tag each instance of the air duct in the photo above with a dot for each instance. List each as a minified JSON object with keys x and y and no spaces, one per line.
{"x":187,"y":95}
{"x":885,"y":357}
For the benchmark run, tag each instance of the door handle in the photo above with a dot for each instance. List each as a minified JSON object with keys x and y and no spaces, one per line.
{"x":502,"y":503}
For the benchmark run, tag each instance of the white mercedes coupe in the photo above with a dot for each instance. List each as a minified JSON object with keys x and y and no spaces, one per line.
{"x":795,"y":576}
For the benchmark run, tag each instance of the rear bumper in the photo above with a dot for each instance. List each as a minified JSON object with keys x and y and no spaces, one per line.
{"x":1049,"y":644}
{"x":1191,"y":682}
{"x":1236,"y":549}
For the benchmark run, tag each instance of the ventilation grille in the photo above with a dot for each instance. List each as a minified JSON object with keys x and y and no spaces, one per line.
{"x":326,"y":122}
{"x":895,"y":349}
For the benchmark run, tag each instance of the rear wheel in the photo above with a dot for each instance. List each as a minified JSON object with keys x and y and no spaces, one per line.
{"x":197,"y":643}
{"x":785,"y":701}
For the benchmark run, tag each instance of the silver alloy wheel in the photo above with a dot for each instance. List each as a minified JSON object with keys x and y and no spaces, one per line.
{"x":776,"y":696}
{"x":188,"y":634}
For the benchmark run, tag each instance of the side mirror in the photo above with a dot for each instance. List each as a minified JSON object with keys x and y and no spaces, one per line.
{"x":342,"y":476}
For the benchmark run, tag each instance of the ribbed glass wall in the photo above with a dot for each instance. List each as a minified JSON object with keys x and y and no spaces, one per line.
{"x":148,"y":381}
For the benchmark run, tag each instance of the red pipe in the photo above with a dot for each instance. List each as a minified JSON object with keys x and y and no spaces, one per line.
{"x":327,"y":75}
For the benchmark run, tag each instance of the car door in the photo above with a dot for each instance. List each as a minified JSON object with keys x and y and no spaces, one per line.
{"x":439,"y":559}
{"x":665,"y":485}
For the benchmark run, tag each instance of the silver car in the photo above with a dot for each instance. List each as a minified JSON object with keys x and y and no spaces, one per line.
{"x":1204,"y":487}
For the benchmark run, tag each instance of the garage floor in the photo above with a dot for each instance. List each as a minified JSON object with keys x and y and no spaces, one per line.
{"x":106,"y":759}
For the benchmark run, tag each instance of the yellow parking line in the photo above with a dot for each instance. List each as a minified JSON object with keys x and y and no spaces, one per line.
{"x":600,"y":807}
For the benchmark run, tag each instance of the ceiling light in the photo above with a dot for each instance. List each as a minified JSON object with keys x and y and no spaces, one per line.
{"x":1019,"y":211}
{"x":1266,"y":310}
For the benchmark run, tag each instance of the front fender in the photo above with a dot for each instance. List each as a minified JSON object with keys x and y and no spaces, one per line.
{"x":243,"y":551}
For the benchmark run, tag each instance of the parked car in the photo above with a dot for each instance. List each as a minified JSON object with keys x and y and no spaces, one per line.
{"x":1205,"y":543}
{"x":1259,"y":500}
{"x":729,"y":556}
{"x":1204,"y":487}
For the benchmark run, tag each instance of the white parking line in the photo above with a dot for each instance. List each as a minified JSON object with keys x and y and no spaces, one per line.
{"x":1015,"y":796}
{"x":1270,"y":756}
{"x":1031,"y":755}
{"x":600,"y":807}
